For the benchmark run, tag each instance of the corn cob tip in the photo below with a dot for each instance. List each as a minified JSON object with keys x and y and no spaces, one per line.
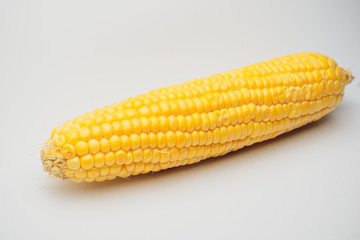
{"x":53,"y":160}
{"x":348,"y":75}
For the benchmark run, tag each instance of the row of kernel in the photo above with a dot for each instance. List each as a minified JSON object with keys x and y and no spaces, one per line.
{"x":180,"y":138}
{"x":214,"y":101}
{"x":285,"y":79}
{"x":111,"y":136}
{"x":197,"y":121}
{"x":225,"y":135}
{"x":188,"y":106}
{"x":214,"y":84}
{"x":189,"y":90}
{"x":275,"y":66}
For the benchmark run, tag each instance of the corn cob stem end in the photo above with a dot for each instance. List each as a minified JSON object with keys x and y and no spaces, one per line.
{"x":348,"y":75}
{"x":53,"y":160}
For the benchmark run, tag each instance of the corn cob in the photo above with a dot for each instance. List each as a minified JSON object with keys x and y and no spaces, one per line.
{"x":186,"y":123}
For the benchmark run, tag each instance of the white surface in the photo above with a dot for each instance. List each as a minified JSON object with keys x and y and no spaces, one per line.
{"x":59,"y":59}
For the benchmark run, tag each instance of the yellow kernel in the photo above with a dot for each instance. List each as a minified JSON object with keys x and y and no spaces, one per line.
{"x":246,"y":95}
{"x":84,"y":134}
{"x":130,"y":113}
{"x":104,"y":145}
{"x":68,"y":151}
{"x":81,"y":173}
{"x":174,"y":154}
{"x":115,"y":169}
{"x":197,"y":121}
{"x":99,"y":159}
{"x":104,"y":171}
{"x":75,"y":179}
{"x":191,"y":152}
{"x":195,"y":137}
{"x":60,"y":141}
{"x":136,"y":125}
{"x":125,"y":142}
{"x":145,"y":124}
{"x":106,"y":130}
{"x":115,"y":142}
{"x":206,"y":103}
{"x":216,"y":135}
{"x":139,"y":167}
{"x":138,"y":155}
{"x":155,"y":156}
{"x":191,"y":105}
{"x":161,"y":140}
{"x":172,"y":123}
{"x":180,"y":139}
{"x":56,"y":131}
{"x":165,"y":108}
{"x":174,"y":107}
{"x":124,"y":173}
{"x":250,"y":128}
{"x":183,"y":153}
{"x":246,"y":113}
{"x":100,"y":179}
{"x":183,"y":107}
{"x":170,"y":139}
{"x":259,"y":114}
{"x":237,"y":131}
{"x":111,"y":177}
{"x":205,"y":122}
{"x":231,"y":133}
{"x":120,"y":157}
{"x":130,"y":167}
{"x":87,"y":161}
{"x":152,"y":140}
{"x":73,"y":163}
{"x":134,"y":141}
{"x":256,"y":130}
{"x":110,"y":159}
{"x":154,"y":124}
{"x":116,"y":128}
{"x":330,"y":87}
{"x":155,"y":110}
{"x":148,"y":167}
{"x":144,"y":111}
{"x":126,"y":127}
{"x":93,"y":173}
{"x":96,"y":132}
{"x":223,"y":134}
{"x":279,"y":111}
{"x":120,"y":115}
{"x":147,"y":155}
{"x":81,"y":148}
{"x":129,"y":158}
{"x":181,"y":123}
{"x":190,"y":124}
{"x":144,"y":140}
{"x":202,"y":138}
{"x":94,"y":146}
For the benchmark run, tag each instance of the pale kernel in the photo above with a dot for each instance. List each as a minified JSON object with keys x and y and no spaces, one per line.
{"x":73,"y":163}
{"x":80,"y":173}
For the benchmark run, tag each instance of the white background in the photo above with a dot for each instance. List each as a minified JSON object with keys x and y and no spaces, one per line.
{"x":60,"y":59}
